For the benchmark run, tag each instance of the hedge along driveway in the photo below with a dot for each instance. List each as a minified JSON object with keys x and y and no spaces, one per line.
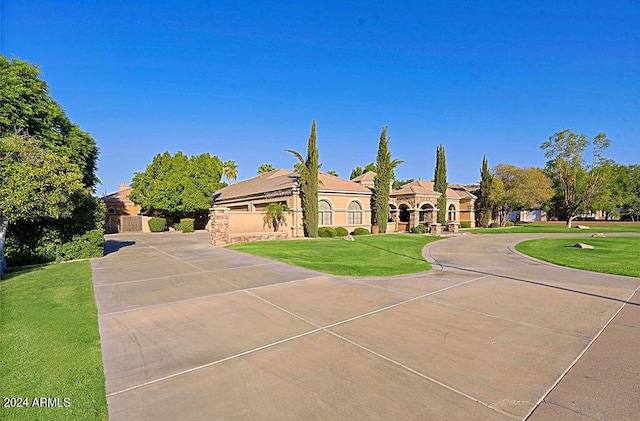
{"x":371,"y":255}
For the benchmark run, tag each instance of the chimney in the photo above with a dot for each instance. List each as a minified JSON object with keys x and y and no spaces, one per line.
{"x":123,"y":186}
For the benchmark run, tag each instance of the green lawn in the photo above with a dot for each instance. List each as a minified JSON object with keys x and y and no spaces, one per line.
{"x":560,"y":229}
{"x":49,"y":344}
{"x":616,"y":255}
{"x":372,"y":255}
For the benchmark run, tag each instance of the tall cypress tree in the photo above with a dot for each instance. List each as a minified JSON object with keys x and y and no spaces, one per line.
{"x":309,"y":184}
{"x":440,"y":183}
{"x":483,"y":205}
{"x":382,"y":182}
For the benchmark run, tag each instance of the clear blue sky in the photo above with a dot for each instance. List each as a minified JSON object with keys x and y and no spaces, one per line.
{"x":243,"y":80}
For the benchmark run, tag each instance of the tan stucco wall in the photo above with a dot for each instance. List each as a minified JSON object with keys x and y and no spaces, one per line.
{"x":242,"y":220}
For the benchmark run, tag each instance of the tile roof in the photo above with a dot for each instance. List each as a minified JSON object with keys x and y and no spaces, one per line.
{"x":119,"y":196}
{"x":462,"y":191}
{"x":283,"y":179}
{"x":368,"y":176}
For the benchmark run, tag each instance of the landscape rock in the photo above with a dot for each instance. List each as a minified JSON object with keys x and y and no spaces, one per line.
{"x":599,"y":234}
{"x":583,"y":246}
{"x":582,"y":227}
{"x":348,"y":238}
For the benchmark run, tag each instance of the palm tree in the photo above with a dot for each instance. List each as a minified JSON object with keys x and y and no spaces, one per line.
{"x":276,"y":215}
{"x":265,"y":168}
{"x":230,"y":170}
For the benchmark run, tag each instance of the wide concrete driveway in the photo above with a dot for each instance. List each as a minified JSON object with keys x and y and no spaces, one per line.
{"x":193,"y":332}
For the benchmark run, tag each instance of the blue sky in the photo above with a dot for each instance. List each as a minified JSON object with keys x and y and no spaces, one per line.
{"x":243,"y":80}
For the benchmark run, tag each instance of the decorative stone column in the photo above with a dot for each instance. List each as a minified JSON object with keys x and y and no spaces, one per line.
{"x":219,"y":226}
{"x":435,"y":229}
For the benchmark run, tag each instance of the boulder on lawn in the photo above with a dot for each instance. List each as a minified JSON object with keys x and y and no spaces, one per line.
{"x":583,"y":246}
{"x":599,"y":234}
{"x":582,"y":227}
{"x":349,"y":238}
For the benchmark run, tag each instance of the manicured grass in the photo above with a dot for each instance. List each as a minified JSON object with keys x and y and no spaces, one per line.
{"x":371,"y":255}
{"x":616,"y":255}
{"x":49,"y":344}
{"x":560,"y":229}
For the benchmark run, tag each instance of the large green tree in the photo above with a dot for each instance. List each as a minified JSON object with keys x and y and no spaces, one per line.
{"x":577,"y":182}
{"x":36,"y":184}
{"x":382,"y":182}
{"x":177,"y":185}
{"x":309,"y":184}
{"x":515,"y":188}
{"x":440,"y":183}
{"x":28,"y":111}
{"x":483,"y":204}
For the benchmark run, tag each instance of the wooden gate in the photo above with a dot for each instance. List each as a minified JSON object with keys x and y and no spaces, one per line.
{"x":112,"y":224}
{"x":123,"y":223}
{"x":130,"y":223}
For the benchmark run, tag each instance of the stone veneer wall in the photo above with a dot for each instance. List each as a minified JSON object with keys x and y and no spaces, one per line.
{"x":259,"y":236}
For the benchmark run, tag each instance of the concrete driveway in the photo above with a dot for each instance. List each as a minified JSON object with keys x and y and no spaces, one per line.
{"x":193,"y":332}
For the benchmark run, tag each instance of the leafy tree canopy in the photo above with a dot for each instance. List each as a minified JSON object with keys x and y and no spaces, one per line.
{"x":515,"y":188}
{"x":36,"y":183}
{"x":177,"y":185}
{"x":577,"y":182}
{"x":28,"y":110}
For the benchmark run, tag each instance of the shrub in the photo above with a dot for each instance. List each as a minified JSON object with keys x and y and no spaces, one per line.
{"x":494,"y":225}
{"x":508,"y":224}
{"x":419,"y":229}
{"x":88,"y":245}
{"x":465,"y":224}
{"x":177,"y":226}
{"x":157,"y":224}
{"x":342,"y":232}
{"x":360,"y":231}
{"x":326,"y":232}
{"x":186,"y":224}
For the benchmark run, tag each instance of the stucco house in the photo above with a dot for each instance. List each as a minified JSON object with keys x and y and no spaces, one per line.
{"x":341,"y":203}
{"x":122,"y":214}
{"x":240,"y":207}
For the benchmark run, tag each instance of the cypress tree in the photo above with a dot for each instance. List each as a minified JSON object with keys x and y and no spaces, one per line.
{"x":311,"y":200}
{"x":483,"y":205}
{"x":308,"y":171}
{"x":440,"y":183}
{"x":382,"y":182}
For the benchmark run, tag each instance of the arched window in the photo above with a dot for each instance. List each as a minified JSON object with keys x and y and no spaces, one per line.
{"x":111,"y":211}
{"x":404,"y":213}
{"x":354,"y":213}
{"x":427,"y":213}
{"x":393,"y":212}
{"x":325,"y":214}
{"x":452,"y":213}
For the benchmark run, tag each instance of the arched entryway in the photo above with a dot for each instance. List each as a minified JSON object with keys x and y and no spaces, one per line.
{"x":427,"y":214}
{"x":393,"y":212}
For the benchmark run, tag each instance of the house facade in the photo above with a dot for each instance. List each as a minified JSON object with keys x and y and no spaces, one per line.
{"x":341,"y":203}
{"x":238,"y":210}
{"x":122,"y":214}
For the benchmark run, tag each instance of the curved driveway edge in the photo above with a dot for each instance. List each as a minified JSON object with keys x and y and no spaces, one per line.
{"x":190,"y":331}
